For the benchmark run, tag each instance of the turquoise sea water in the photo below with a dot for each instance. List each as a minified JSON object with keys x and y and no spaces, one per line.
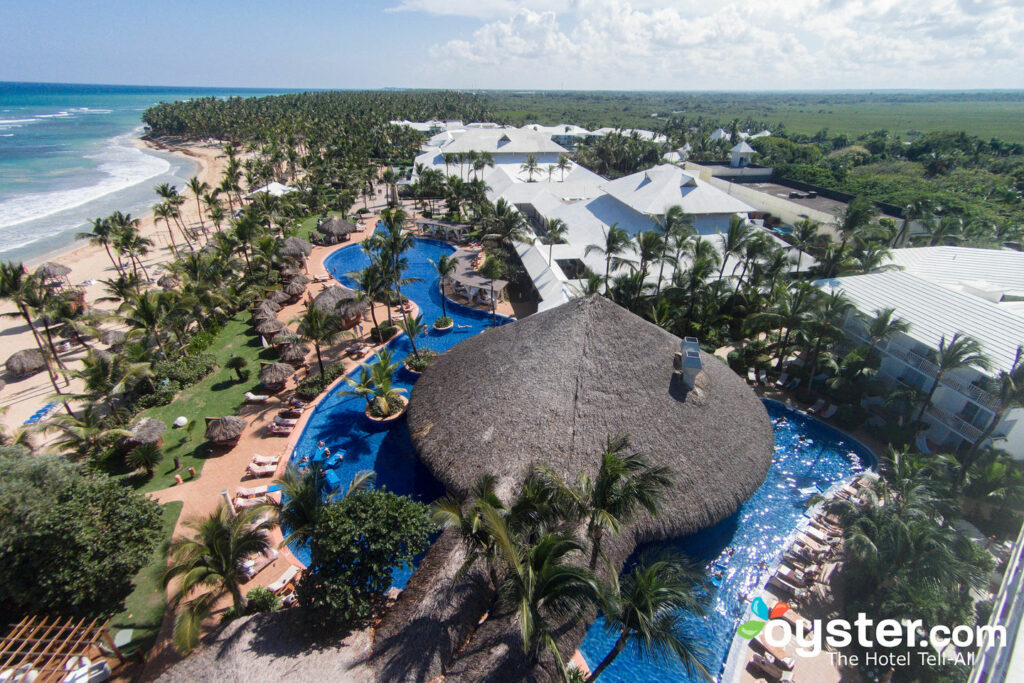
{"x":67,"y":154}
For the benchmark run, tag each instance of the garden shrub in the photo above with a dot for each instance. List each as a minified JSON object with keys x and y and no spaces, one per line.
{"x":314,"y":385}
{"x":185,"y":370}
{"x":261,"y":599}
{"x":383,"y":333}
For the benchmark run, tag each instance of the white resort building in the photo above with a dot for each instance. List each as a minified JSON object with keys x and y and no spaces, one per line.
{"x":943,"y":291}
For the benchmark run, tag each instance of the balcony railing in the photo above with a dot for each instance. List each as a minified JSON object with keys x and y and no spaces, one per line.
{"x":925,"y":366}
{"x":956,"y":423}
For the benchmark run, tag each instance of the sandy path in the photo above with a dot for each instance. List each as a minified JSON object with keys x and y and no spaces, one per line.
{"x":23,"y":396}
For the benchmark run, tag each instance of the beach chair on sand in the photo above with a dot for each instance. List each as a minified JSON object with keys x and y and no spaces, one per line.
{"x":259,"y":471}
{"x":250,"y":492}
{"x":258,"y":459}
{"x":770,"y":670}
{"x":253,"y":565}
{"x":285,"y":421}
{"x":279,"y":430}
{"x":256,"y":398}
{"x":793,"y":577}
{"x":818,"y":405}
{"x":246,"y":503}
{"x":830,"y":411}
{"x":282,"y":581}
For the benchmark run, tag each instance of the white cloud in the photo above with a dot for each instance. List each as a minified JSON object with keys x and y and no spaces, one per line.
{"x":735,"y":44}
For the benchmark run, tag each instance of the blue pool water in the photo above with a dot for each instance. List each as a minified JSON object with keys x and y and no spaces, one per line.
{"x":339,"y":421}
{"x":808,"y":455}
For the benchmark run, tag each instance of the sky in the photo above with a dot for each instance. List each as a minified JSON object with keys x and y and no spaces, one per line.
{"x":532,"y":44}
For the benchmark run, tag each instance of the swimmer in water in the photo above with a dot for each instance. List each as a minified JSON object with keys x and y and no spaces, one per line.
{"x":320,"y":444}
{"x":327,"y":452}
{"x":462,"y":327}
{"x":303,"y":460}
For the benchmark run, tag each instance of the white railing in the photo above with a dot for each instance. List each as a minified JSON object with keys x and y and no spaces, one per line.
{"x":993,"y":663}
{"x":956,"y":423}
{"x":925,"y":366}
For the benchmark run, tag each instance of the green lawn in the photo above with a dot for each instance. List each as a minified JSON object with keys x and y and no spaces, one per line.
{"x":218,"y":394}
{"x":307,"y":226}
{"x":144,"y":608}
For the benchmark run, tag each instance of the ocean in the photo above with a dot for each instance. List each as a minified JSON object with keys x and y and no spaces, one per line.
{"x":68,"y":154}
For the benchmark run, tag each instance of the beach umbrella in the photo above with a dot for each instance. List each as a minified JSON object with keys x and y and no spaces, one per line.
{"x":294,"y":353}
{"x":278,"y":297}
{"x":268,"y":328}
{"x":283,"y":337}
{"x":146,"y":430}
{"x":340,"y":301}
{"x":301,"y":279}
{"x":52,"y":271}
{"x":224,"y":430}
{"x":168,"y":282}
{"x":275,"y":374}
{"x":296,"y":247}
{"x":112,"y":337}
{"x":262,"y":314}
{"x":336,"y":228}
{"x":270,"y":305}
{"x":294,"y":289}
{"x":288,"y":272}
{"x":26,"y":362}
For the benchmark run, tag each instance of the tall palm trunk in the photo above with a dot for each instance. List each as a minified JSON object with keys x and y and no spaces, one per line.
{"x":110,"y":255}
{"x":620,"y":644}
{"x":53,"y":351}
{"x":320,"y":360}
{"x":928,"y":400}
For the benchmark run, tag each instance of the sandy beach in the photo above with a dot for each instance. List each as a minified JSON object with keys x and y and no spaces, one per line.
{"x":89,"y":264}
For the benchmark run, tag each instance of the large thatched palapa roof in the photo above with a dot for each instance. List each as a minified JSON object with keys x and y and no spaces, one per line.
{"x":295,"y":288}
{"x":269,"y":304}
{"x":225,"y":429}
{"x":336,"y":227}
{"x":278,"y":297}
{"x":267,"y":328}
{"x":275,"y":373}
{"x":341,"y":301}
{"x":26,"y":362}
{"x":548,"y":390}
{"x":294,"y":353}
{"x":296,"y":247}
{"x":53,"y":271}
{"x":147,"y":430}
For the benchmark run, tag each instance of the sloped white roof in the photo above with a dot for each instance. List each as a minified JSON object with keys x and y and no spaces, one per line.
{"x":275,"y":189}
{"x":719,"y":134}
{"x":549,"y":280}
{"x":502,"y":141}
{"x":560,"y":129}
{"x":762,"y":134}
{"x":648,"y":135}
{"x":743,"y":148}
{"x":957,"y":266}
{"x":934,"y":311}
{"x":653,"y":191}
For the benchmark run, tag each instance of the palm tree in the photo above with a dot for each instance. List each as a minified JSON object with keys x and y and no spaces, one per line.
{"x":961,"y":352}
{"x":413,"y":327}
{"x":83,"y":436}
{"x":646,"y":607}
{"x":625,"y":483}
{"x":147,"y":315}
{"x":102,"y":233}
{"x":734,"y":241}
{"x":446,"y":267}
{"x":676,"y":228}
{"x":467,"y":517}
{"x":919,"y":209}
{"x":163,"y":212}
{"x":145,"y":456}
{"x":854,"y":224}
{"x":563,"y":164}
{"x":804,"y":235}
{"x":212,"y":559}
{"x":530,"y":166}
{"x":822,"y":326}
{"x":616,"y":242}
{"x":199,"y":188}
{"x":492,"y":270}
{"x":884,"y":325}
{"x":20,"y":288}
{"x":318,"y":328}
{"x":303,"y":501}
{"x":556,"y":233}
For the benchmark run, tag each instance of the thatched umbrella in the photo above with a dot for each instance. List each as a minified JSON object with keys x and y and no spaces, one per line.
{"x":278,"y":297}
{"x":296,"y":247}
{"x":225,"y":430}
{"x":168,"y":282}
{"x":548,"y":390}
{"x":341,"y":301}
{"x":274,"y":375}
{"x":112,"y":337}
{"x":288,"y":272}
{"x":301,"y":279}
{"x":336,"y":228}
{"x":283,"y":337}
{"x":294,"y":354}
{"x":268,"y":328}
{"x":53,"y":271}
{"x":263,"y":314}
{"x":269,"y":304}
{"x":147,"y":430}
{"x":294,"y":289}
{"x":26,"y":362}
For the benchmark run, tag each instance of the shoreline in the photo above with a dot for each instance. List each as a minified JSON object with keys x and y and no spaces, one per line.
{"x":89,"y":265}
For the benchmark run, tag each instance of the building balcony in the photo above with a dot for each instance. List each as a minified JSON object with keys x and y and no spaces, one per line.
{"x":957,"y":424}
{"x":926,"y":367}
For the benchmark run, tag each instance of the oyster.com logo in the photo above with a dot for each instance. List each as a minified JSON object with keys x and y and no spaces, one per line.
{"x":750,"y":629}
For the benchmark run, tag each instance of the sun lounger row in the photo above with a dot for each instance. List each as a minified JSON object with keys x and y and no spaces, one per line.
{"x":823,"y":409}
{"x":254,"y":565}
{"x":771,"y":670}
{"x":262,"y":466}
{"x":282,"y":581}
{"x":777,"y":655}
{"x":256,"y":398}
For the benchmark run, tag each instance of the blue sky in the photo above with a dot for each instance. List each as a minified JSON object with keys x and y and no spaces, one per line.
{"x":584,"y":44}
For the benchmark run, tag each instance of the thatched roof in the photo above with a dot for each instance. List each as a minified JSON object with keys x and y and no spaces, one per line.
{"x":278,"y":297}
{"x":300,"y":278}
{"x":112,"y":337}
{"x":548,"y":390}
{"x":288,"y":271}
{"x":224,"y":429}
{"x":25,"y":362}
{"x":52,"y":271}
{"x":269,"y":304}
{"x":147,"y":430}
{"x":168,"y":282}
{"x":276,"y":646}
{"x":294,"y":353}
{"x":340,"y":300}
{"x":296,"y":247}
{"x":275,"y":373}
{"x":294,"y":288}
{"x":283,"y":337}
{"x":336,"y":227}
{"x":267,"y":328}
{"x":263,"y":314}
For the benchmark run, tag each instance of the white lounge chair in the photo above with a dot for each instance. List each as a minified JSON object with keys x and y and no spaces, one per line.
{"x":830,"y":411}
{"x":818,"y":405}
{"x":256,"y":398}
{"x":752,"y":375}
{"x":251,"y":492}
{"x":796,"y":592}
{"x":781,"y":381}
{"x":282,"y":581}
{"x":258,"y":459}
{"x":285,"y":421}
{"x":259,"y":471}
{"x":246,"y":503}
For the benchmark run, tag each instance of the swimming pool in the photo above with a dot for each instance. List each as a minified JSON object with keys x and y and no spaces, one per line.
{"x":810,"y":457}
{"x":339,"y":421}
